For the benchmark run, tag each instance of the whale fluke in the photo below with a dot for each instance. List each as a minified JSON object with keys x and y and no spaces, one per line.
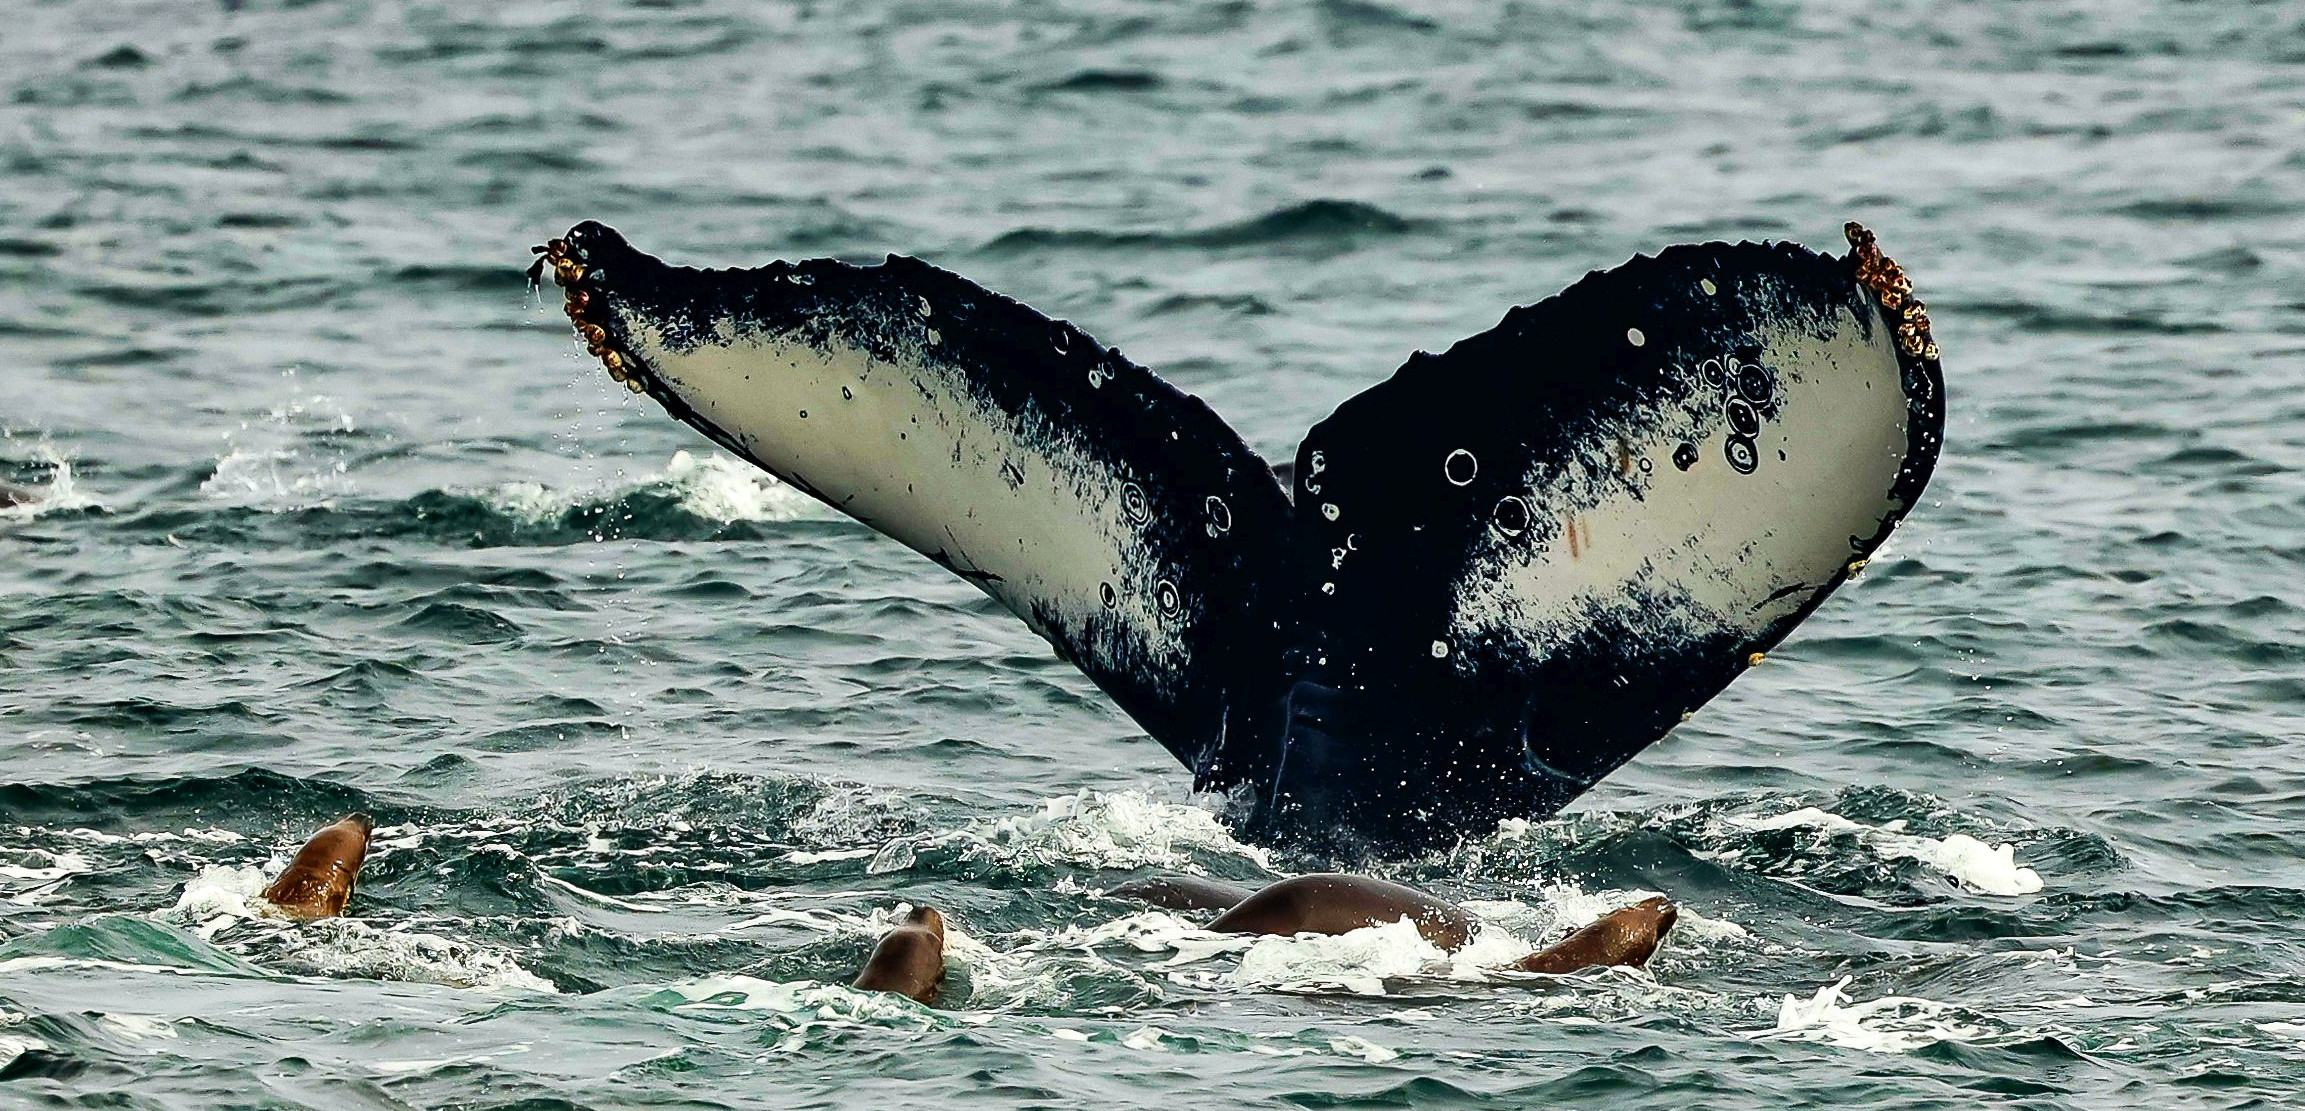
{"x":1495,"y":577}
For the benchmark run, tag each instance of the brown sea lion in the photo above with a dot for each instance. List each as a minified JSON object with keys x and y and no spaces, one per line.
{"x":1334,"y":903}
{"x":320,"y":879}
{"x":1626,"y":936}
{"x":909,"y":959}
{"x":12,"y":494}
{"x":1185,"y":893}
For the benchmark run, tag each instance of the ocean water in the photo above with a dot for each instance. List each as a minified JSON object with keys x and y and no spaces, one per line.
{"x":340,"y":517}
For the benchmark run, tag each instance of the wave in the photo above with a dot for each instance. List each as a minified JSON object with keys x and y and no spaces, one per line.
{"x":1088,"y":829}
{"x":1105,"y":81}
{"x":1889,"y":1024}
{"x":1322,"y":222}
{"x":711,"y":487}
{"x":311,"y":494}
{"x":750,"y":898}
{"x":60,"y":494}
{"x":1973,"y":864}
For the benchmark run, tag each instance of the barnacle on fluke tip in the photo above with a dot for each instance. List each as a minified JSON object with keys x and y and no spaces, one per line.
{"x":1887,"y":280}
{"x":1503,"y":571}
{"x":568,"y":271}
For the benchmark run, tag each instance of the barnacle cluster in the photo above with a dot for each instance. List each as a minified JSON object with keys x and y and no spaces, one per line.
{"x":1894,"y":290}
{"x":567,"y":263}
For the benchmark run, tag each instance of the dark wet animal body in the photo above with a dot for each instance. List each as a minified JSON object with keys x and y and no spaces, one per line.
{"x":909,"y":960}
{"x":1496,"y":577}
{"x":320,"y":880}
{"x":1184,"y":893}
{"x":1335,"y":903}
{"x":1628,"y":936}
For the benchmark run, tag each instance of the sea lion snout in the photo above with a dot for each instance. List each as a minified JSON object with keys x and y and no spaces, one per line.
{"x":1661,"y":910}
{"x":361,"y":820}
{"x":928,"y":919}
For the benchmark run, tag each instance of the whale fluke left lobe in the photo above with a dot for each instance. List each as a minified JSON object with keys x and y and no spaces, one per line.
{"x":320,"y":880}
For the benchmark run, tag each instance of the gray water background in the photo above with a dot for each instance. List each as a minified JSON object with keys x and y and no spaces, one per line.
{"x":353,"y":524}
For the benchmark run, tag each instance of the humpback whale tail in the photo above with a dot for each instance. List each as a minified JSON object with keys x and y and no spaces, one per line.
{"x":1499,"y":574}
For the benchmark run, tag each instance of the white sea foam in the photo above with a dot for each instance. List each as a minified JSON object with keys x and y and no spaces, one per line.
{"x":1151,"y":931}
{"x":1118,"y":831}
{"x":13,"y":1046}
{"x":1890,"y":1024}
{"x":218,"y":896}
{"x":712,"y":486}
{"x":40,"y":865}
{"x":56,"y":964}
{"x":1990,"y":869}
{"x":1358,"y":962}
{"x":588,"y":895}
{"x":344,"y":947}
{"x":139,"y":1027}
{"x":1146,"y":1037}
{"x":822,"y":921}
{"x":210,"y":835}
{"x":428,"y":1065}
{"x":1973,"y":864}
{"x":1349,"y":1045}
{"x":805,"y":1010}
{"x":719,"y":488}
{"x":1353,"y":1045}
{"x":279,"y":478}
{"x":270,"y":464}
{"x":60,"y":494}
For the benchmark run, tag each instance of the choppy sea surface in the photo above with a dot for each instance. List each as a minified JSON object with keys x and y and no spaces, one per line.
{"x":339,"y":517}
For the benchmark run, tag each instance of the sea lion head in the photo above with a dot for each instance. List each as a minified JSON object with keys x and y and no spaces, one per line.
{"x":928,"y":919}
{"x":1661,"y":913}
{"x":320,"y":880}
{"x":909,"y":959}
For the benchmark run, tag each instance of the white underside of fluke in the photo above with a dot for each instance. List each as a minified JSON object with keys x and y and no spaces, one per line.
{"x":905,"y":446}
{"x":1706,"y":549}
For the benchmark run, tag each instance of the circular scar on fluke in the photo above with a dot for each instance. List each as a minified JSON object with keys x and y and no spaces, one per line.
{"x":1491,"y":589}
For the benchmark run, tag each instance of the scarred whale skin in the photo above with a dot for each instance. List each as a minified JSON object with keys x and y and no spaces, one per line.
{"x":1500,"y":574}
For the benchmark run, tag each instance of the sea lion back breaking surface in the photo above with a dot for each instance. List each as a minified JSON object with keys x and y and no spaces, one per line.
{"x":908,"y":960}
{"x":320,"y":880}
{"x":1185,"y":892}
{"x":1502,"y":573}
{"x":1628,"y":936}
{"x":1336,"y":903}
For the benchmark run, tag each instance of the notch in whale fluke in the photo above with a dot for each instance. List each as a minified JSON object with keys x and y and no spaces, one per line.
{"x":1506,"y":569}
